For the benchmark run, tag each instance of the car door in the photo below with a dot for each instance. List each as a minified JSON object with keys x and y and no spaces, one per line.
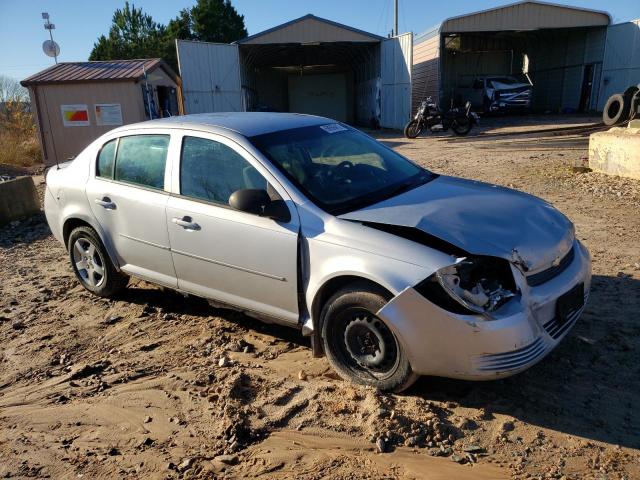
{"x":127,"y":195}
{"x":234,"y":257}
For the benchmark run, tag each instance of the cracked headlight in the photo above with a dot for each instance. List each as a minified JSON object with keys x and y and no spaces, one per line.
{"x":473,"y":285}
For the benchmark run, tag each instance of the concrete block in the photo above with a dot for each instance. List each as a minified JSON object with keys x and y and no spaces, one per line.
{"x":18,"y":199}
{"x":616,"y":152}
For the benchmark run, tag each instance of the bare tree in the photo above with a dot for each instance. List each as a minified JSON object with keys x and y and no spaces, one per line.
{"x":12,"y":91}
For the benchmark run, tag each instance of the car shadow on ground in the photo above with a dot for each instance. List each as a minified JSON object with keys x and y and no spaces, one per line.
{"x":174,"y":303}
{"x":589,"y":386}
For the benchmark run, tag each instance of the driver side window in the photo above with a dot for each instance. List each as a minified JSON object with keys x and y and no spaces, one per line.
{"x":212,"y":171}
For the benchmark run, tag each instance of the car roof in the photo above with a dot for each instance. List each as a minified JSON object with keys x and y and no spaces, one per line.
{"x":247,"y":124}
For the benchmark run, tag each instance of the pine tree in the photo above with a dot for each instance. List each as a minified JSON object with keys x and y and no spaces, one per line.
{"x":134,"y":34}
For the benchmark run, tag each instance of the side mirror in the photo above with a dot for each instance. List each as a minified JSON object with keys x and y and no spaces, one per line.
{"x":258,"y":202}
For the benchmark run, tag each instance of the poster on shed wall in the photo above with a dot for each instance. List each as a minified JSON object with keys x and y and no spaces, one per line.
{"x":75,"y":115}
{"x":108,"y":114}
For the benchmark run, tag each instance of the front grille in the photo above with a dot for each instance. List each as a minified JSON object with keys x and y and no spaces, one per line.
{"x":556,"y":329}
{"x":513,"y":360}
{"x":551,"y":272}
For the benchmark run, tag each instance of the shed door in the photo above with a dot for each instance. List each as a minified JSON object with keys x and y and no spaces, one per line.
{"x":210,"y":75}
{"x":396,"y":60}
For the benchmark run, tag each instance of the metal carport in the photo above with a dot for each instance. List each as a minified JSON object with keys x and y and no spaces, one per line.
{"x":561,"y":48}
{"x":309,"y":65}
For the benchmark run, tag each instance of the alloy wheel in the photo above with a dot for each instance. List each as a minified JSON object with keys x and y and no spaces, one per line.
{"x":88,"y":262}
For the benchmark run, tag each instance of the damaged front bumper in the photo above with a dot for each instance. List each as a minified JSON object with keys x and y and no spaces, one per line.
{"x":522,"y":333}
{"x":510,"y":101}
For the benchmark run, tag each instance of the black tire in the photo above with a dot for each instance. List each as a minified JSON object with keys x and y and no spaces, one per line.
{"x":630,"y":92}
{"x":348,"y":322}
{"x":412,"y":129}
{"x":461,"y":126}
{"x":92,"y":265}
{"x":616,"y":110}
{"x":632,"y":97}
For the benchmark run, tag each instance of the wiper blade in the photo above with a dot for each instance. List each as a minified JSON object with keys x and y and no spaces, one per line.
{"x":411,"y":184}
{"x":380,"y":196}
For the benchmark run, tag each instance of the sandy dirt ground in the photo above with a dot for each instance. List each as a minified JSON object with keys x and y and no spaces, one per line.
{"x":155,"y":385}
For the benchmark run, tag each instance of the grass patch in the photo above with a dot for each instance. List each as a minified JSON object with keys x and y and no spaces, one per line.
{"x":19,"y":143}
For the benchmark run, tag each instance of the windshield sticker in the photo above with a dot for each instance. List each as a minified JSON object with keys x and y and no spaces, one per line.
{"x":332,"y":128}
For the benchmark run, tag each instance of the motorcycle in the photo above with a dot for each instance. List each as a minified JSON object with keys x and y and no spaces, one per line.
{"x":460,"y":120}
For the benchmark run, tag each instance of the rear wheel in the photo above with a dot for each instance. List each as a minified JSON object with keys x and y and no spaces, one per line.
{"x":359,"y":345}
{"x":461,"y":126}
{"x":92,"y":265}
{"x":412,"y":129}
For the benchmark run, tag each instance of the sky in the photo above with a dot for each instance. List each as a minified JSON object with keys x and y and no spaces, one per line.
{"x":80,"y":22}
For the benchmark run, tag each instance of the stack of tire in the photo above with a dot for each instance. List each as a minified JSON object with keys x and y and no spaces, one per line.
{"x":622,"y":107}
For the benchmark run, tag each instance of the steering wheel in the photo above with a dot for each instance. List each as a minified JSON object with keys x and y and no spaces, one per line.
{"x":341,"y":169}
{"x":345,"y":164}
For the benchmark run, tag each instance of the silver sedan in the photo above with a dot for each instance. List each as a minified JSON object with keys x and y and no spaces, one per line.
{"x":393,"y":270}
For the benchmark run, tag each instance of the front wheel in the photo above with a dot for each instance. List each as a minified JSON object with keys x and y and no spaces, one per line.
{"x":412,"y":129}
{"x":461,"y":126}
{"x":360,"y":346}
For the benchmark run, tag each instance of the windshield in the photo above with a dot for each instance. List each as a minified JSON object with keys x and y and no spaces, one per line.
{"x":339,"y":168}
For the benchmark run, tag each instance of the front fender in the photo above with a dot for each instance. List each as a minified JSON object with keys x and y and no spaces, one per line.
{"x":329,"y":261}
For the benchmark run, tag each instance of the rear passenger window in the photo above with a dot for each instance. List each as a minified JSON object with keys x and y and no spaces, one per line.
{"x":141,"y":160}
{"x":106,"y":157}
{"x":211,"y":171}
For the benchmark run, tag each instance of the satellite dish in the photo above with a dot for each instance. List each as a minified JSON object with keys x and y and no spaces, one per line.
{"x":50,"y":48}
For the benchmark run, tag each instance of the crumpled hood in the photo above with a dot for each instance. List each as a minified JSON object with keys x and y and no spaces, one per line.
{"x":508,"y":86}
{"x":480,"y":218}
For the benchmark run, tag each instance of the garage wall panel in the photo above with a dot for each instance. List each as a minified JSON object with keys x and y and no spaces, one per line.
{"x":425,"y":71}
{"x":396,"y":61}
{"x":368,"y":102}
{"x":572,"y":87}
{"x":621,"y":66}
{"x":210,"y":77}
{"x":573,"y":70}
{"x":595,"y":45}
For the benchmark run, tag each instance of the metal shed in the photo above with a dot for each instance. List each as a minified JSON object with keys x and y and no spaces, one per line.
{"x":76,"y":102}
{"x":308,"y":65}
{"x":559,"y":48}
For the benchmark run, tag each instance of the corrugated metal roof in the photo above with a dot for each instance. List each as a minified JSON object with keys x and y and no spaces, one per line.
{"x":110,"y":70}
{"x":526,"y":15}
{"x":310,"y":28}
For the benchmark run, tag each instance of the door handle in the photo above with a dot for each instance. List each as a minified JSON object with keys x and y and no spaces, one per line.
{"x":186,"y":222}
{"x":106,"y":203}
